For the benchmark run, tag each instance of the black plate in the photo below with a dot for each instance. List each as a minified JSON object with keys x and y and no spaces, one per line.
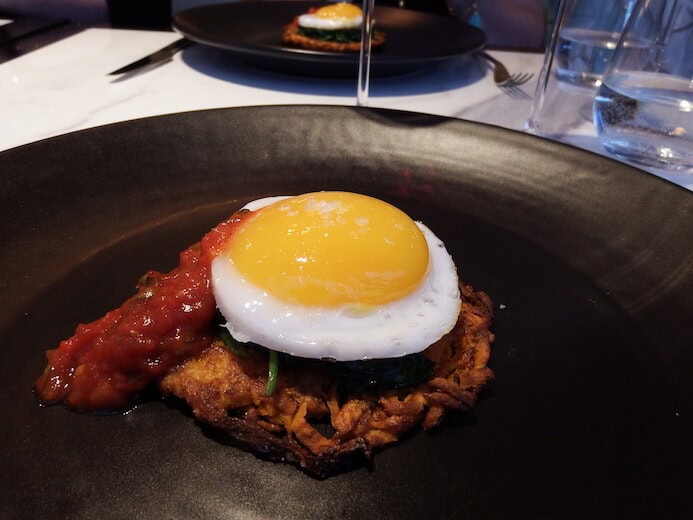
{"x":251,"y":32}
{"x":23,"y":26}
{"x":589,"y":263}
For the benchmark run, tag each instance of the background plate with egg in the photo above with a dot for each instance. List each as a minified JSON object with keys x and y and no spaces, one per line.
{"x":251,"y":32}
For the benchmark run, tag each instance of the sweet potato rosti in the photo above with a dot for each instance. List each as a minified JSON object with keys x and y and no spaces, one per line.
{"x":292,"y":37}
{"x":333,"y":28}
{"x":310,"y":419}
{"x":243,"y":330}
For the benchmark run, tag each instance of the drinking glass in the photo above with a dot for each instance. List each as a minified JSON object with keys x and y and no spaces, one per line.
{"x":588,"y":35}
{"x":584,"y":35}
{"x":643,"y":111}
{"x":364,"y":73}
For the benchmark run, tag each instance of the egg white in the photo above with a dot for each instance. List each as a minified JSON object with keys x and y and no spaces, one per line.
{"x":395,"y":329}
{"x":310,"y":21}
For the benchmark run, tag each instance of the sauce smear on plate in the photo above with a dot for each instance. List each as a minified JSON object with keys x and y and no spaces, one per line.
{"x":109,"y":361}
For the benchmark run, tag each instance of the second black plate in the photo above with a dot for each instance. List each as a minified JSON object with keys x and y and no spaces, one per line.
{"x":251,"y":32}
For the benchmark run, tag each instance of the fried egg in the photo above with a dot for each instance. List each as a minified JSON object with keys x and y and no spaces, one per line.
{"x":333,"y":17}
{"x":335,"y":275}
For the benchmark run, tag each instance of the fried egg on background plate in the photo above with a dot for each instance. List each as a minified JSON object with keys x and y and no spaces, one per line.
{"x":333,"y":17}
{"x":335,"y":275}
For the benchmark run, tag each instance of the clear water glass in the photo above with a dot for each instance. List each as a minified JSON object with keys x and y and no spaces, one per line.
{"x":584,"y":36}
{"x":589,"y":33}
{"x":643,"y":111}
{"x":363,"y":81}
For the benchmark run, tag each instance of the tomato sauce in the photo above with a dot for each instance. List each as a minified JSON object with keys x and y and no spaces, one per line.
{"x":110,"y":361}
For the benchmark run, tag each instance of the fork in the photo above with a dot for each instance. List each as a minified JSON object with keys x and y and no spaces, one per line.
{"x":504,"y":80}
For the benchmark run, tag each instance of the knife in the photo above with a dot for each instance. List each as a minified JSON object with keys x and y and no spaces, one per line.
{"x":161,"y":56}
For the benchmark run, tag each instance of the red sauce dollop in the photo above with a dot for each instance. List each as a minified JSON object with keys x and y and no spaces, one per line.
{"x":110,"y":361}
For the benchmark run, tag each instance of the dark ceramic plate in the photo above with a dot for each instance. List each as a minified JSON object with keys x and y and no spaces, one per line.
{"x":23,"y":26}
{"x":588,"y":262}
{"x":251,"y":32}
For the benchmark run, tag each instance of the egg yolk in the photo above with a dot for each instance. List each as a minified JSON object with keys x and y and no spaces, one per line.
{"x":331,"y":249}
{"x":338,"y":11}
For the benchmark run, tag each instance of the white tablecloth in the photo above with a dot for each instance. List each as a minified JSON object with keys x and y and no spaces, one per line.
{"x":65,"y":87}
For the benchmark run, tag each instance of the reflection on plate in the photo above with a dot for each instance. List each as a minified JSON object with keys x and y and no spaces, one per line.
{"x":251,"y":32}
{"x":587,"y":260}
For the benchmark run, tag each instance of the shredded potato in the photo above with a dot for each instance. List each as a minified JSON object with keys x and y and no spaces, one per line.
{"x":307,"y":420}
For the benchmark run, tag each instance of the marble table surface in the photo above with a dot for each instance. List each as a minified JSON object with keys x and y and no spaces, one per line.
{"x":65,"y":86}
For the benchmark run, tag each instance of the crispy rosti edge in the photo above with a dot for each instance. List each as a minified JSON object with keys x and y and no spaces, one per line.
{"x":455,"y":385}
{"x":264,"y":444}
{"x":292,"y":38}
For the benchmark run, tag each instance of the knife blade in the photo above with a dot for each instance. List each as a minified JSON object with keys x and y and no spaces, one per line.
{"x":161,"y":56}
